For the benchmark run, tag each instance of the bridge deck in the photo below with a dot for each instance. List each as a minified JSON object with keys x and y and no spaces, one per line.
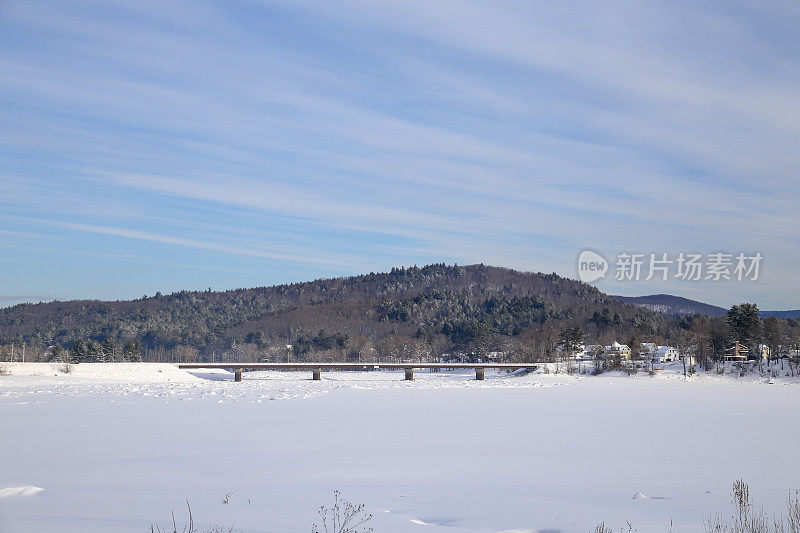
{"x":316,"y":368}
{"x":353,"y":366}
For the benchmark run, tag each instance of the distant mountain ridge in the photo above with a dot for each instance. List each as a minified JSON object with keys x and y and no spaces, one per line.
{"x":670,"y":305}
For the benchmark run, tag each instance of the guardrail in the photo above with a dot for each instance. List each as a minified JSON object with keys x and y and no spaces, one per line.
{"x":316,"y":368}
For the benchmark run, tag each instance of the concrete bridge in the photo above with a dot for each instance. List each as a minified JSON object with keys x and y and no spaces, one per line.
{"x":316,"y":368}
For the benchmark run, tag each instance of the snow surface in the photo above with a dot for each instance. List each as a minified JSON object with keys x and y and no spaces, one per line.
{"x":20,"y":491}
{"x":117,"y":447}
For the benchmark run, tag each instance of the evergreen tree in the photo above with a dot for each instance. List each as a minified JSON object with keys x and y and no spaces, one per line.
{"x":93,"y":352}
{"x":78,"y":351}
{"x":132,"y":351}
{"x":570,"y":339}
{"x":108,"y":349}
{"x":744,"y":322}
{"x":56,"y":353}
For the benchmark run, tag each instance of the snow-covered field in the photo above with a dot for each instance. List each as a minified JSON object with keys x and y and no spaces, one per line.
{"x":114,"y":448}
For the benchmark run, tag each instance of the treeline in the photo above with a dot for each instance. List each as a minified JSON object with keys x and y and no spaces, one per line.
{"x":711,"y":338}
{"x":407,"y":313}
{"x":707,"y":339}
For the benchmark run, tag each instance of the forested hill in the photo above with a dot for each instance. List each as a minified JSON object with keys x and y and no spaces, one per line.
{"x":433,"y":308}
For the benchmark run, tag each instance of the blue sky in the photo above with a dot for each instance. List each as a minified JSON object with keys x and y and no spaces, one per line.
{"x":167,"y":145}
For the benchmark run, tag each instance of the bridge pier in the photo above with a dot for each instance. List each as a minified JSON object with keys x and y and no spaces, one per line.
{"x":316,"y":374}
{"x":480,"y":373}
{"x":237,"y":374}
{"x":409,"y":374}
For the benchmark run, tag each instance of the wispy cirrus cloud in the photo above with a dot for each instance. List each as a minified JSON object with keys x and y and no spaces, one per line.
{"x":313,"y":139}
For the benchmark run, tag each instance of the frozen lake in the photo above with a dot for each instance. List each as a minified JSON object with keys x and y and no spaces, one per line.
{"x":118,"y":451}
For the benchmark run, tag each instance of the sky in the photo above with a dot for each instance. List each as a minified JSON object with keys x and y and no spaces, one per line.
{"x":157,"y":146}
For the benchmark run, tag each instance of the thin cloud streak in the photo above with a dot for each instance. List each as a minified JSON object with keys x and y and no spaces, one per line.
{"x":256,"y":251}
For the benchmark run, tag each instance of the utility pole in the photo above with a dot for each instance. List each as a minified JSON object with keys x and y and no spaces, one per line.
{"x":23,"y":352}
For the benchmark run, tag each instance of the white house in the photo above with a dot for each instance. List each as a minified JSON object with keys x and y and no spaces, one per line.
{"x":593,"y":350}
{"x":665,"y":354}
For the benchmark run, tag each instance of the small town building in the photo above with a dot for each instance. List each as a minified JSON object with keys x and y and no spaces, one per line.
{"x":737,"y":352}
{"x":577,"y":353}
{"x":665,"y":354}
{"x":593,"y":350}
{"x":617,"y":350}
{"x":648,"y":348}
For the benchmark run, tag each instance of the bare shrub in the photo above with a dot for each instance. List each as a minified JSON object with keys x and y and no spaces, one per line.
{"x":343,"y":517}
{"x":745,"y":518}
{"x":603,"y":528}
{"x":790,"y":523}
{"x":66,"y":362}
{"x":3,"y":369}
{"x":748,"y":520}
{"x":599,"y":367}
{"x":188,"y":526}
